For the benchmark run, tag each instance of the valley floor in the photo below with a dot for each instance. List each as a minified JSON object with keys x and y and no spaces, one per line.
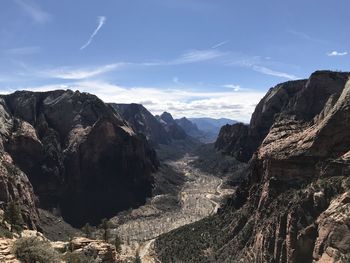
{"x":200,"y":197}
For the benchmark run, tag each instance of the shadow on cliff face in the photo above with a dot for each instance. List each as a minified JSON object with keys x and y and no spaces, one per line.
{"x":104,"y":179}
{"x":80,"y":156}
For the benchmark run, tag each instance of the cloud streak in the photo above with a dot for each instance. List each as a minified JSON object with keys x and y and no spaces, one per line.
{"x":268,"y":71}
{"x":307,"y":37}
{"x":21,"y":51}
{"x":34,"y":11}
{"x":195,"y":56}
{"x":232,"y":86}
{"x":79,"y":74}
{"x":220,"y":44}
{"x":337,"y":54}
{"x":101,"y":20}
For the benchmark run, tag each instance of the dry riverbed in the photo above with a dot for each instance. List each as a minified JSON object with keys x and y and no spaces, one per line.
{"x":199,"y":197}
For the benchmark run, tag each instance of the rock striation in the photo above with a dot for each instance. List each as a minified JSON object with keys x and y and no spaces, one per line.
{"x":75,"y":153}
{"x":294,"y":205}
{"x":302,"y":99}
{"x":143,"y":122}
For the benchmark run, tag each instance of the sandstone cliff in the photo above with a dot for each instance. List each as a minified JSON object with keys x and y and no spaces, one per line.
{"x":82,"y":159}
{"x":295,"y":204}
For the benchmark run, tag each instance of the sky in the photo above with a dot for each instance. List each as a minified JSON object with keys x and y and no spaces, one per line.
{"x":192,"y":58}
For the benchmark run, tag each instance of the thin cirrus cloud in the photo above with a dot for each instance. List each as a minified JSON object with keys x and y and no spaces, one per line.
{"x":258,"y":64}
{"x":232,"y":86}
{"x":189,"y":57}
{"x":184,"y":102}
{"x":220,"y":44}
{"x":307,"y":37}
{"x":33,"y":10}
{"x":21,"y":51}
{"x":101,"y":20}
{"x":79,"y":74}
{"x":337,"y":54}
{"x":268,"y":71}
{"x":194,"y":56}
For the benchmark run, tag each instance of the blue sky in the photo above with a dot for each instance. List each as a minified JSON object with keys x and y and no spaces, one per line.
{"x":190,"y":57}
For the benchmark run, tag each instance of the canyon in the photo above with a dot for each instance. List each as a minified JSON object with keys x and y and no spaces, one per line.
{"x":274,"y":190}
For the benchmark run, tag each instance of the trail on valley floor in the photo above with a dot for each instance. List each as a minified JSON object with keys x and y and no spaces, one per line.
{"x":200,"y":197}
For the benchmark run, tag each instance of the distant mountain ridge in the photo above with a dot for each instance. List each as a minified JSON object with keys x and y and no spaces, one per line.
{"x":209,"y":127}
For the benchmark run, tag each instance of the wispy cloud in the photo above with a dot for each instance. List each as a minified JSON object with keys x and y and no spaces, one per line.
{"x":194,"y":56}
{"x":337,"y":53}
{"x":101,"y":20}
{"x":79,"y":74}
{"x":259,"y":64}
{"x":268,"y":71}
{"x":307,"y":37}
{"x":220,"y":44}
{"x":34,"y":10}
{"x":232,"y":86}
{"x":21,"y":51}
{"x":185,"y":102}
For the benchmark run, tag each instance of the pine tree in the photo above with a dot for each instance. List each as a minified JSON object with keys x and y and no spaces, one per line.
{"x":137,"y":258}
{"x":104,"y":225}
{"x":118,"y":244}
{"x":87,"y":230}
{"x":13,"y":216}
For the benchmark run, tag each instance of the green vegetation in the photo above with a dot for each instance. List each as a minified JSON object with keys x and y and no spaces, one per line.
{"x":4,"y":232}
{"x":87,"y":230}
{"x":105,"y":226}
{"x":13,"y":216}
{"x":33,"y":249}
{"x":137,"y":258}
{"x":118,"y":244}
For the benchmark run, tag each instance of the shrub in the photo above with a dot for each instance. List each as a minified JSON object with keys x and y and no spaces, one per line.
{"x":118,"y":244}
{"x":35,"y":250}
{"x":4,"y":232}
{"x":137,"y":258}
{"x":87,"y":230}
{"x":13,"y":216}
{"x":71,"y":257}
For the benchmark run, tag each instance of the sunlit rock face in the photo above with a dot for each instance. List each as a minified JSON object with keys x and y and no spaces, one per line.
{"x":80,"y":156}
{"x":294,"y":103}
{"x":294,"y":205}
{"x":301,"y":175}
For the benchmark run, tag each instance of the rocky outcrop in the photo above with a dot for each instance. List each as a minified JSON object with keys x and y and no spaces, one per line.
{"x":232,"y":139}
{"x":294,"y":205}
{"x":96,"y":250}
{"x":302,"y":99}
{"x":82,"y":159}
{"x":171,"y":127}
{"x":143,"y":122}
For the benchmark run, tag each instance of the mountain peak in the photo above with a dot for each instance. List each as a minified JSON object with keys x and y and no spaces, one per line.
{"x":167,"y":117}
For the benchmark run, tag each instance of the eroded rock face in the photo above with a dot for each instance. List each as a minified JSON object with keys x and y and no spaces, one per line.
{"x":142,"y":121}
{"x":293,"y":102}
{"x":232,"y":139}
{"x":293,"y":169}
{"x":294,"y":206}
{"x":80,"y":156}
